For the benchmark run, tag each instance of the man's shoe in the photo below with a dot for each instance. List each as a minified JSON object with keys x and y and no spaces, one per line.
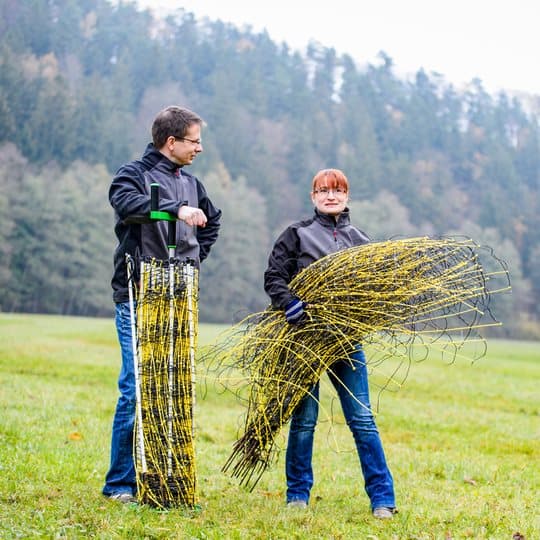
{"x":297,"y":503}
{"x":124,"y":498}
{"x":383,"y":513}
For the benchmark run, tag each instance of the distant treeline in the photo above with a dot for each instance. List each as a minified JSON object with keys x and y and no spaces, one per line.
{"x":81,"y":81}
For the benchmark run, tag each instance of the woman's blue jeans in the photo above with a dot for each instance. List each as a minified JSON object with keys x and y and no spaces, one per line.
{"x":350,"y":379}
{"x":121,"y":475}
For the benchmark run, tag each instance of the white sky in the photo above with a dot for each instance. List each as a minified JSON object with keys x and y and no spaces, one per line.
{"x":495,"y":40}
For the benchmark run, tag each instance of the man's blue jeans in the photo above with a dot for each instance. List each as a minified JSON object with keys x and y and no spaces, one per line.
{"x":121,"y":475}
{"x":350,"y":379}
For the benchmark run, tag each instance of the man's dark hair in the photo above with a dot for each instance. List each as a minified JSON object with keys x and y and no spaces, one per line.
{"x":173,"y":121}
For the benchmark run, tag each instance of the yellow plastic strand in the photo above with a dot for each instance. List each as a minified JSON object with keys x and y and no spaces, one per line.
{"x":401,"y":299}
{"x":166,"y":332}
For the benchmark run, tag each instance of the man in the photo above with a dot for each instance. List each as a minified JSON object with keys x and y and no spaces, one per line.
{"x":176,"y":141}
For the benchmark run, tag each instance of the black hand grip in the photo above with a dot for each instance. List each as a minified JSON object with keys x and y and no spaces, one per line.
{"x":154,"y":197}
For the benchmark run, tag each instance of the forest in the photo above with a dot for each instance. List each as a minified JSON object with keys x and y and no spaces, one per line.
{"x":81,"y":81}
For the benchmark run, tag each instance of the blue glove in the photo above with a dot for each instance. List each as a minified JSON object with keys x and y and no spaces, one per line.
{"x":294,"y":311}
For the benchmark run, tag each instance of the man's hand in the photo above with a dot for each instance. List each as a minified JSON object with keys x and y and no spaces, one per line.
{"x":294,"y":312}
{"x":192,"y":216}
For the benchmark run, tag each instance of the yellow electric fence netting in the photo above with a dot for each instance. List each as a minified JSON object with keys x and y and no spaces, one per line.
{"x":400,"y":299}
{"x":166,"y":318}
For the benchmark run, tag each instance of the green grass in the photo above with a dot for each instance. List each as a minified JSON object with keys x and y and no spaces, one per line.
{"x":462,"y":440}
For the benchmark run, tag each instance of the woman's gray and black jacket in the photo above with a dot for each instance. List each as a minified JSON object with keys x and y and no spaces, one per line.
{"x":129,"y":195}
{"x":303,"y":243}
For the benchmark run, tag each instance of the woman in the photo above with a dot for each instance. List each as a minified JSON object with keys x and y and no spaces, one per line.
{"x":303,"y":242}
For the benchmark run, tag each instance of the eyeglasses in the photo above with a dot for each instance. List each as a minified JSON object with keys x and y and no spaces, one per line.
{"x":196,"y":142}
{"x":324,"y":192}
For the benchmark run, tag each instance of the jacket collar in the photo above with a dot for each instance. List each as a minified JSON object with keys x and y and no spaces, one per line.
{"x":329,"y":221}
{"x":152,"y":156}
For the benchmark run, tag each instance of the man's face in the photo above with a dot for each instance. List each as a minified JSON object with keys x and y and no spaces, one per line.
{"x":182,"y":151}
{"x":330,"y":201}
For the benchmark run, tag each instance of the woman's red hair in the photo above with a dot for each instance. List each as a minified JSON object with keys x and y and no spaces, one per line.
{"x":330,"y":179}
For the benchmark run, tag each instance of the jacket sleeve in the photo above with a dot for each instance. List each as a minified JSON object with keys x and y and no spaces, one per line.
{"x":282,"y":267}
{"x":128,"y":196}
{"x":207,"y":236}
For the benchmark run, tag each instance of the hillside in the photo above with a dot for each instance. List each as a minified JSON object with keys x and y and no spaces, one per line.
{"x":77,"y":99}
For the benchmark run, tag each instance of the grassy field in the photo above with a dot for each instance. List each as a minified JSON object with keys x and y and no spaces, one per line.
{"x":462,"y":440}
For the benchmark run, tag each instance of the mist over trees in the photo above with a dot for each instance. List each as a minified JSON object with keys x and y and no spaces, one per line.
{"x":81,"y":80}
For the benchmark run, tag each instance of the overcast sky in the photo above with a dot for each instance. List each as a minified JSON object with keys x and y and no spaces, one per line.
{"x":495,"y":40}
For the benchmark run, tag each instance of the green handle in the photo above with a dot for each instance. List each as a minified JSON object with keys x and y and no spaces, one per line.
{"x":162,"y":216}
